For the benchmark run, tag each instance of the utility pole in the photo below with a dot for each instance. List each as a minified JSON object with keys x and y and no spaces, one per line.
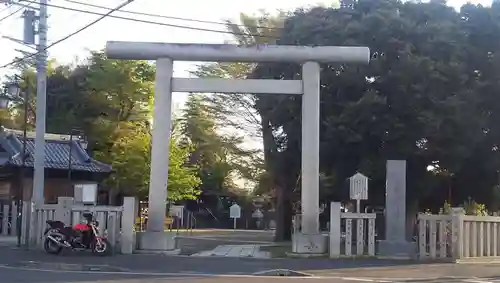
{"x":41,"y":104}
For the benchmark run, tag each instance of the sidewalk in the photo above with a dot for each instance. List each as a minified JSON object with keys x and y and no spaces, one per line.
{"x":441,"y":272}
{"x":8,"y":241}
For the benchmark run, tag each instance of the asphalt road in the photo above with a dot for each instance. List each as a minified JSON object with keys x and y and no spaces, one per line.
{"x":13,"y":276}
{"x":24,"y":276}
{"x":168,"y":264}
{"x":18,"y":266}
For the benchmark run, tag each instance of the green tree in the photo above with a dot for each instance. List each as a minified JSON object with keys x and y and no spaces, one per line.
{"x":218,"y":155}
{"x":425,"y":97}
{"x":383,"y":111}
{"x":130,"y":157}
{"x":252,"y":114}
{"x":183,"y":180}
{"x":428,"y":96}
{"x":111,"y":101}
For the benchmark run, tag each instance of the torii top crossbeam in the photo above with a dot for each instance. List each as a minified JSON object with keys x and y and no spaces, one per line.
{"x":234,"y":53}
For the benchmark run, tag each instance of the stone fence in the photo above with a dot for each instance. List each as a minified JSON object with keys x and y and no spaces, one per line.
{"x":458,"y":237}
{"x":116,"y":222}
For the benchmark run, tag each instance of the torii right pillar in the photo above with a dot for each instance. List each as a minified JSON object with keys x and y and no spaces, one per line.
{"x":310,"y":240}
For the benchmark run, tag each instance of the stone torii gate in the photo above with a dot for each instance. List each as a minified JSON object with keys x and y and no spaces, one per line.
{"x":309,"y":240}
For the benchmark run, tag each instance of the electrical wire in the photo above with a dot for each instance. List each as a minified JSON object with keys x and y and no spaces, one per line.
{"x":161,"y":16}
{"x":71,"y":34}
{"x":155,"y":23}
{"x":11,"y":14}
{"x":5,"y":9}
{"x":108,"y":15}
{"x":16,"y":11}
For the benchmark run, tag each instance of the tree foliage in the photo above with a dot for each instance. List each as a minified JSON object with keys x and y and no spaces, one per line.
{"x":428,"y":96}
{"x":218,"y":154}
{"x":250,"y":114}
{"x":111,"y":102}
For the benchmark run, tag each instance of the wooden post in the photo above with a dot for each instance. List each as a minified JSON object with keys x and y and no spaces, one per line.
{"x":13,"y":222}
{"x":335,"y":235}
{"x":112,"y":229}
{"x":371,"y":235}
{"x":25,"y":220}
{"x":5,"y":220}
{"x":33,"y":217}
{"x":457,"y":237}
{"x":128,"y":219}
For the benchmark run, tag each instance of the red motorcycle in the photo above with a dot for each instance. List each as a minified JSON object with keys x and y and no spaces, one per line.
{"x":80,"y":237}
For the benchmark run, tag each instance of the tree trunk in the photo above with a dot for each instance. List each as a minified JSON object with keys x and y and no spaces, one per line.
{"x":282,"y":188}
{"x":283,"y":215}
{"x":269,"y":145}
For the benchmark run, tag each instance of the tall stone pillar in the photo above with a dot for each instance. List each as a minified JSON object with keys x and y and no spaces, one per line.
{"x":155,"y":237}
{"x":310,"y":147}
{"x":395,"y":243}
{"x":310,"y":240}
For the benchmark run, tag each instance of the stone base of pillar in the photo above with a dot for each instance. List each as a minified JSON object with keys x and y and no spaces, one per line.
{"x":156,"y":242}
{"x":312,"y":244}
{"x":397,"y":249}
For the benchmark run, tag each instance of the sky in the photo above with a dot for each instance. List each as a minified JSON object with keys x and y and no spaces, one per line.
{"x":63,"y":22}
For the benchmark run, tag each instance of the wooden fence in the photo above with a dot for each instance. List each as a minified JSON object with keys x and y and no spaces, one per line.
{"x":109,"y":218}
{"x":346,"y":237}
{"x":458,"y":237}
{"x":8,"y":218}
{"x":116,"y":222}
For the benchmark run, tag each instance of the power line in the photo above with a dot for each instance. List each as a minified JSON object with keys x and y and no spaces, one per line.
{"x":5,"y":9}
{"x":71,"y":34}
{"x":153,"y":22}
{"x":11,"y":14}
{"x":16,"y":11}
{"x":161,"y":16}
{"x":108,"y":14}
{"x":91,"y":23}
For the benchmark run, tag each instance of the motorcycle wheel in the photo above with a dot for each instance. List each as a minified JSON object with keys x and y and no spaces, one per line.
{"x":102,"y":249}
{"x":50,"y":247}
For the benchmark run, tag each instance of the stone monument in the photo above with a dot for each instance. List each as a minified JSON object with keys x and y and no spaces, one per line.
{"x":395,"y":244}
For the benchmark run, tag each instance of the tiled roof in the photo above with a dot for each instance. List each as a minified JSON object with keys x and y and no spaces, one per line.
{"x":56,"y":154}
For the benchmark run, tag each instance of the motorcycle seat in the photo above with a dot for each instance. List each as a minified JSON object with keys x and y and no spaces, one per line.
{"x":55,"y":224}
